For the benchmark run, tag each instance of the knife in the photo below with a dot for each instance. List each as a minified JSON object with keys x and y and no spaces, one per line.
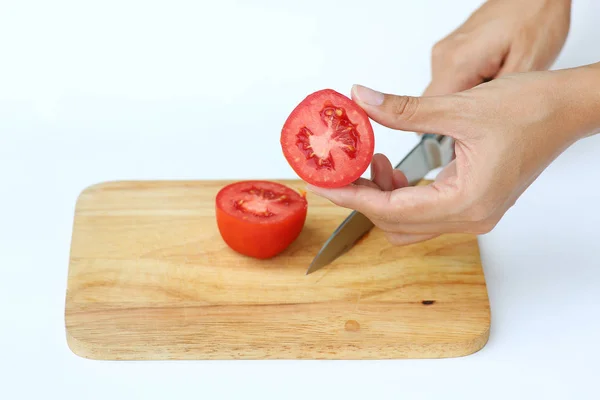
{"x":432,"y":151}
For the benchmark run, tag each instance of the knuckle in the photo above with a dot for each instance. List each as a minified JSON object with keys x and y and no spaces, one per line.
{"x":344,"y":203}
{"x":477,"y":213}
{"x":481,"y":218}
{"x":405,"y":107}
{"x":483,"y":227}
{"x":394,"y":238}
{"x":337,"y":202}
{"x":439,"y":50}
{"x":449,"y":51}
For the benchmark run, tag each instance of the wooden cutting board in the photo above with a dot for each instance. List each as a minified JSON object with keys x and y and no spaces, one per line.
{"x":150,"y":278}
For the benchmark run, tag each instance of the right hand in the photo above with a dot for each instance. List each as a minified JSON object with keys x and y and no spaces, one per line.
{"x":501,"y":37}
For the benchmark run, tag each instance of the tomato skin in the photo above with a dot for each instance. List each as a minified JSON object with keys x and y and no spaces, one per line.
{"x":259,"y":239}
{"x":306,"y":114}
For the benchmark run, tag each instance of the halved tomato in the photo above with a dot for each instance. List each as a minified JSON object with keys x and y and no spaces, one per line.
{"x":260,"y":218}
{"x":328,"y":139}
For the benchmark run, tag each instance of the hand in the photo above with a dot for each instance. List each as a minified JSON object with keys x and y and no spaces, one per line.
{"x":506,"y":133}
{"x":501,"y":37}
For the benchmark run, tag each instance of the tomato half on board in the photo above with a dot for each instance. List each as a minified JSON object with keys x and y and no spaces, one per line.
{"x":260,"y":218}
{"x":328,"y":139}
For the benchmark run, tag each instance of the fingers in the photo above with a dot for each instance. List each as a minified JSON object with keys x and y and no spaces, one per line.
{"x":403,"y":239}
{"x":415,"y":218}
{"x":522,"y":58}
{"x":412,"y":214}
{"x":382,"y":172}
{"x":383,"y":176}
{"x":366,"y":182}
{"x":424,"y":205}
{"x":410,"y":205}
{"x":460,"y":62}
{"x":399,"y":179}
{"x":407,"y":215}
{"x":438,"y":114}
{"x":363,"y":198}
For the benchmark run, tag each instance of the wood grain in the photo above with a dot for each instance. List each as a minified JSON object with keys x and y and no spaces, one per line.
{"x":150,"y":278}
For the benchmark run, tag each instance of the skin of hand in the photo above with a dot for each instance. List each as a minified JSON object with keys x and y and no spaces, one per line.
{"x":506,"y":133}
{"x":499,"y":38}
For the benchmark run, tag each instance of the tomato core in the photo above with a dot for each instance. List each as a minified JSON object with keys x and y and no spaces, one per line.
{"x":260,"y":202}
{"x":340,"y":138}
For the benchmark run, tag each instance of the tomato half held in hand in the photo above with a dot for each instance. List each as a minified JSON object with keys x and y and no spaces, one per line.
{"x":328,"y":140}
{"x":259,"y":218}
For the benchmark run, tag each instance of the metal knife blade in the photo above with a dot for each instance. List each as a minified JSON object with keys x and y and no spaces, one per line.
{"x":431,"y":152}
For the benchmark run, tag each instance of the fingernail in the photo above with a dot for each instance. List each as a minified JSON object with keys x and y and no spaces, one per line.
{"x":368,"y":96}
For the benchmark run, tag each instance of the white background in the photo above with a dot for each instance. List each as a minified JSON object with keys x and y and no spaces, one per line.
{"x":94,"y":91}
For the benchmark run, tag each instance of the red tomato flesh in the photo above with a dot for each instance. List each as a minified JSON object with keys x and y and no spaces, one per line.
{"x":328,"y":140}
{"x":260,"y":218}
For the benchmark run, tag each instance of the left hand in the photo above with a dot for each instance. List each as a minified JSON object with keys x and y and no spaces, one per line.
{"x":506,"y":133}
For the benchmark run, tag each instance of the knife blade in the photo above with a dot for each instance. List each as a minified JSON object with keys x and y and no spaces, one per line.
{"x":432,"y":151}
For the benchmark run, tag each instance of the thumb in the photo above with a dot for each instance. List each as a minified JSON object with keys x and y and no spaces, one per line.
{"x":432,"y":114}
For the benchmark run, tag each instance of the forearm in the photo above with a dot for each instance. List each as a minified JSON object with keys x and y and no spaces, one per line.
{"x":577,"y":91}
